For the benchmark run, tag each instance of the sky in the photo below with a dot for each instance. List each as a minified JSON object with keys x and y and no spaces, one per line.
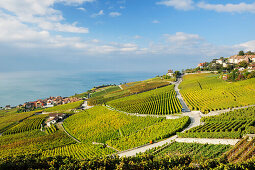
{"x":121,"y":35}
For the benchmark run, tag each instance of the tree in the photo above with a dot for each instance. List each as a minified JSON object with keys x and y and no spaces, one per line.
{"x":241,"y":53}
{"x":249,"y":53}
{"x":243,"y":64}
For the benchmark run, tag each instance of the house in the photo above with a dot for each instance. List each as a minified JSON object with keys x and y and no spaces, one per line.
{"x":170,"y":73}
{"x":219,"y":61}
{"x":225,"y":64}
{"x":55,"y":117}
{"x":235,"y":59}
{"x":29,"y":105}
{"x":201,"y":65}
{"x":39,"y":104}
{"x":7,"y":107}
{"x":49,"y":103}
{"x":225,"y":77}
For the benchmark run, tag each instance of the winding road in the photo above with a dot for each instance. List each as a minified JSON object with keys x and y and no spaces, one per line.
{"x":195,"y":117}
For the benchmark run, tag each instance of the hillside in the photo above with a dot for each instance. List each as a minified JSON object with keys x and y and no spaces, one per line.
{"x":134,"y":117}
{"x":206,"y":92}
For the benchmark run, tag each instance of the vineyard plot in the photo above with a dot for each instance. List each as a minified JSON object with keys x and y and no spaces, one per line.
{"x":207,"y":92}
{"x":79,"y":151}
{"x":233,"y":124}
{"x":100,"y":124}
{"x":35,"y":122}
{"x":159,"y":101}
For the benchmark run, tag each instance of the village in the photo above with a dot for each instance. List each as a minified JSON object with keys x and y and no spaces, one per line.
{"x":235,"y":68}
{"x":42,"y":103}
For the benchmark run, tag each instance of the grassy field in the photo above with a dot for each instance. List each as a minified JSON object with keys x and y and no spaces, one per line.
{"x":206,"y":92}
{"x":160,"y":101}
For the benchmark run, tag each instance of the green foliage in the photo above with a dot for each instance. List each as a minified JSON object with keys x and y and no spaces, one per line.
{"x":155,"y":132}
{"x":241,"y":53}
{"x":243,"y":64}
{"x":100,"y":124}
{"x":36,"y":161}
{"x":159,"y":101}
{"x":206,"y":92}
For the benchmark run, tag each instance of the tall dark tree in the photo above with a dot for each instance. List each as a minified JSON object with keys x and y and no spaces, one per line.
{"x":241,"y":53}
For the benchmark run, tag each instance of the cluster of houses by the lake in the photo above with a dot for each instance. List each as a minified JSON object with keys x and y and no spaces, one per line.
{"x":44,"y":103}
{"x":234,"y":60}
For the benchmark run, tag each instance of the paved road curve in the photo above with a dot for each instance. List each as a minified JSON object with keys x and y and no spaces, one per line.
{"x":179,"y":96}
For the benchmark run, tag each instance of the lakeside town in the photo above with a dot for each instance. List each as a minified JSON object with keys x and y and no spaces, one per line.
{"x":42,"y":103}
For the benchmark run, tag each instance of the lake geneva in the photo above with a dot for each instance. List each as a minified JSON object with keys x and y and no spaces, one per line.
{"x":17,"y":88}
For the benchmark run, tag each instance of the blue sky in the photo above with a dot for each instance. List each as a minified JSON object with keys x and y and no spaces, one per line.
{"x":121,"y":35}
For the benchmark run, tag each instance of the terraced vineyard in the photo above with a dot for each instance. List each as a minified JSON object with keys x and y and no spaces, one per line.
{"x":51,"y":129}
{"x":199,"y":152}
{"x":232,"y":124}
{"x":105,"y":90}
{"x":32,"y":123}
{"x":79,"y":151}
{"x":128,"y":89}
{"x":9,"y":118}
{"x":242,"y":151}
{"x":100,"y":124}
{"x":32,"y":142}
{"x":160,"y":101}
{"x":155,"y":132}
{"x":206,"y":92}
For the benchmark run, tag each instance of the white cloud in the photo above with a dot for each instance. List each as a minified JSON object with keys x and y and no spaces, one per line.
{"x":155,"y":21}
{"x":114,"y":14}
{"x":122,"y":7}
{"x":239,"y":8}
{"x":63,"y":27}
{"x":38,"y":12}
{"x":82,"y":9}
{"x":247,"y":46}
{"x":74,"y":2}
{"x":183,"y":38}
{"x":137,"y":37}
{"x":178,"y":4}
{"x":101,"y":12}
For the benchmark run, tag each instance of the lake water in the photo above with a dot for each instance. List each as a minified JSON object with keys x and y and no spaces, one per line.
{"x":17,"y":88}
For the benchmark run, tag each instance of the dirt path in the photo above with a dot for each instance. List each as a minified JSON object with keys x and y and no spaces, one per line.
{"x":218,"y":112}
{"x":195,"y":121}
{"x":208,"y":141}
{"x":120,"y":87}
{"x":85,"y":105}
{"x":61,"y":127}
